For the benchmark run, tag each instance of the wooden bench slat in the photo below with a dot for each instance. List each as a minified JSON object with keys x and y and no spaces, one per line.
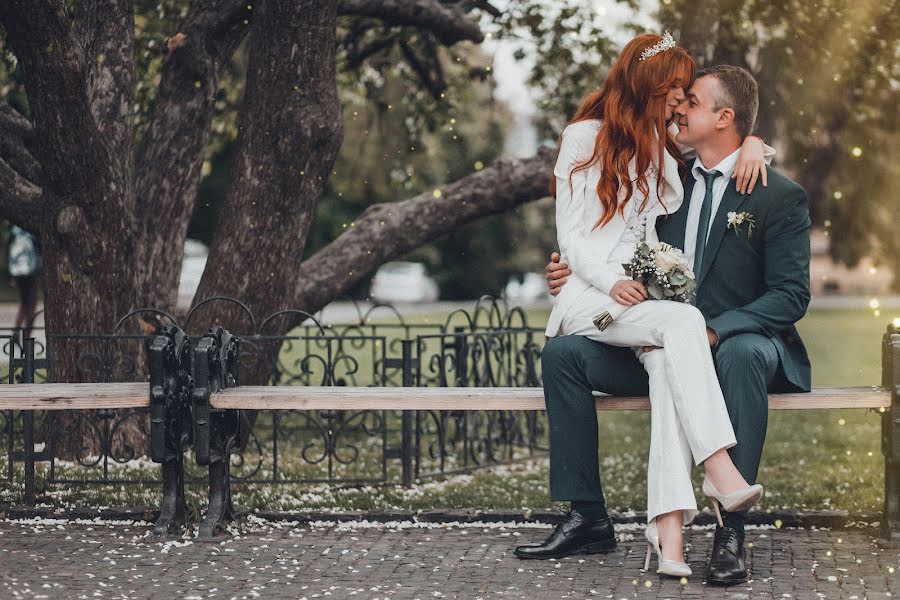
{"x":67,"y":396}
{"x":435,"y":398}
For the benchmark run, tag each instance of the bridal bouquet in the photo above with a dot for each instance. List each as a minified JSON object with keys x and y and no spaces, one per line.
{"x":665,"y":273}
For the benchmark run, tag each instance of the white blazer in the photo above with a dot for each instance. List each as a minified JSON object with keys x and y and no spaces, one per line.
{"x":587,"y":250}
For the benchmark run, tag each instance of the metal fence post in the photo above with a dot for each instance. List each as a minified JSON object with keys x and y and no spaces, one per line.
{"x":406,"y":447}
{"x":28,"y":422}
{"x":890,"y":427}
{"x":406,"y":363}
{"x":461,"y":353}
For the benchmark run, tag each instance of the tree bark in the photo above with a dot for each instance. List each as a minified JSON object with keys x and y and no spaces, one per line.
{"x":291,"y":130}
{"x":105,"y":29}
{"x":80,"y":94}
{"x":20,"y":199}
{"x":17,"y":143}
{"x":87,"y":217}
{"x":169,"y":169}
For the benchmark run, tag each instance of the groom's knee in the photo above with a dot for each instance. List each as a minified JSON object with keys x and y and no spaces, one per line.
{"x":562,"y":355}
{"x":745,"y":358}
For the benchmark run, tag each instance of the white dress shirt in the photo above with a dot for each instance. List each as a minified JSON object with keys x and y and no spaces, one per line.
{"x":726,"y":168}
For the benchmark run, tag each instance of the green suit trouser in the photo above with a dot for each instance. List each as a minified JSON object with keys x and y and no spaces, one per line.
{"x":572,"y":366}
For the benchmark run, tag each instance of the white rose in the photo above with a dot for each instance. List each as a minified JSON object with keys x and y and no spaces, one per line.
{"x":669,"y":259}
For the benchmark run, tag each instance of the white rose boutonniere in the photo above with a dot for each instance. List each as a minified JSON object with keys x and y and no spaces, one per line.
{"x":737,"y":219}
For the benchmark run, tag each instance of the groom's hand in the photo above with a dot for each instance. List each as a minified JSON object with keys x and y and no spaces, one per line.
{"x":557,"y":274}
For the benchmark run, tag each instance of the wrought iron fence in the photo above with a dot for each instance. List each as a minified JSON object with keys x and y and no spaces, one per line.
{"x":490,"y":345}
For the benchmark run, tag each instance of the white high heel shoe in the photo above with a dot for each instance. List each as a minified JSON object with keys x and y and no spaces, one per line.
{"x":733,"y":502}
{"x":673,"y":568}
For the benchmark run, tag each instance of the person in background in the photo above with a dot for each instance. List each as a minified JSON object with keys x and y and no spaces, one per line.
{"x":24,"y":265}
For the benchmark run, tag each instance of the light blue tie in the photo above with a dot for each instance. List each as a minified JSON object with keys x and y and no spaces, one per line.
{"x":703,"y":227}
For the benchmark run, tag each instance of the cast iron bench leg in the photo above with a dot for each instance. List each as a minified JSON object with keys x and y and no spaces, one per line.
{"x":172,"y":510}
{"x":221,"y":510}
{"x":216,"y":432}
{"x":170,"y":422}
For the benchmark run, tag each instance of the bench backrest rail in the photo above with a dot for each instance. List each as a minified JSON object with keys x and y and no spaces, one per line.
{"x":463,"y":398}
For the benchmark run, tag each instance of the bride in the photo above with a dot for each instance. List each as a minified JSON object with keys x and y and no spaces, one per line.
{"x":617,"y":172}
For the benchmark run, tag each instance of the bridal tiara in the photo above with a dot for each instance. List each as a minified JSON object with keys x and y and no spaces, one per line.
{"x":667,"y":43}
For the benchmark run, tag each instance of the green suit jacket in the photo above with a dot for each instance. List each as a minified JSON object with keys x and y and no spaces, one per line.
{"x":755,"y":282}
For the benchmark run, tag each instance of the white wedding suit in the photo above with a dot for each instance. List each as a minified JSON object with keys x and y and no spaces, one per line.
{"x":689,"y":419}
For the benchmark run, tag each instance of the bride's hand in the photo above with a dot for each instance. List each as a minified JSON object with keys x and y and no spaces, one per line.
{"x":751,"y":164}
{"x":628,"y":292}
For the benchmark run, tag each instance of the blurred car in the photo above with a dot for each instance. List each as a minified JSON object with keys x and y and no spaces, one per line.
{"x":527,"y":289}
{"x":403,"y":282}
{"x":192,"y":266}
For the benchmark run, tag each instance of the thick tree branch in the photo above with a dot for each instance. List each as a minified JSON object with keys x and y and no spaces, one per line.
{"x":487,"y":7}
{"x":168,"y":172}
{"x":105,"y":29}
{"x":72,"y":152}
{"x":387,"y":231}
{"x":19,"y":199}
{"x":183,"y":109}
{"x":358,"y":56}
{"x":14,"y":123}
{"x":16,"y":142}
{"x":448,"y":22}
{"x":431,"y":76}
{"x":14,"y":152}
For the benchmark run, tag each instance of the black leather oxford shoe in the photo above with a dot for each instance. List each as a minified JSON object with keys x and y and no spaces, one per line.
{"x":726,"y":565}
{"x":575,"y":535}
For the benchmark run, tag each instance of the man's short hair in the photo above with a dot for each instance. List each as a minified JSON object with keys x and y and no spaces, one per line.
{"x":740,"y":93}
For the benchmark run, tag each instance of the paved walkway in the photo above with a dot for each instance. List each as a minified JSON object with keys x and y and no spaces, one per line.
{"x":46,"y":558}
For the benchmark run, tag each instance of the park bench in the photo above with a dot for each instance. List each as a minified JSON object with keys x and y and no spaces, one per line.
{"x":167,"y":397}
{"x":218,"y":399}
{"x":204,"y":411}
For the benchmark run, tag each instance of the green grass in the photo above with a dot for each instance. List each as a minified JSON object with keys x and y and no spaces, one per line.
{"x":812,"y":460}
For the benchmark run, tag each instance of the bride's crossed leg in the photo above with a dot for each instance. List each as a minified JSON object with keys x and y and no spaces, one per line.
{"x":689,"y":420}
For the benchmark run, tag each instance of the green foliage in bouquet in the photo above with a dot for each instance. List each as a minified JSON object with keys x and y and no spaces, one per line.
{"x":663,"y":270}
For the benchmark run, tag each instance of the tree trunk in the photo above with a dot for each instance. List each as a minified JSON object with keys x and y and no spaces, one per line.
{"x":86,"y":204}
{"x":291,"y":131}
{"x":168,"y":173}
{"x":80,"y":90}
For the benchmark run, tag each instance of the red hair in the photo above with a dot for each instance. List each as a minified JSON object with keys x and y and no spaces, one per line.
{"x":632,"y":106}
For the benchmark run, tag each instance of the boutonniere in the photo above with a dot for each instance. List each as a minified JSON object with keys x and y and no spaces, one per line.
{"x":737,"y":219}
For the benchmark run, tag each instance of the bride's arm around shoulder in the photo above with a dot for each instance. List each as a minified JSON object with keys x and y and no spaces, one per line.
{"x":577,"y":206}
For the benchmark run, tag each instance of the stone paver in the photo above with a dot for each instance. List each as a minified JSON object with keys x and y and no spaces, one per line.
{"x":46,"y":558}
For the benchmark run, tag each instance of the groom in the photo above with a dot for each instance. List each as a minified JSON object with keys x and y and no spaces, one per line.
{"x":752,"y":270}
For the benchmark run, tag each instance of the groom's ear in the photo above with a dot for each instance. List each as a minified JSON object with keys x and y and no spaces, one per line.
{"x":726,"y":118}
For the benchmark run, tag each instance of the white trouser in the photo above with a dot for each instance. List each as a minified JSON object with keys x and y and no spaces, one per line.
{"x":688,"y":414}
